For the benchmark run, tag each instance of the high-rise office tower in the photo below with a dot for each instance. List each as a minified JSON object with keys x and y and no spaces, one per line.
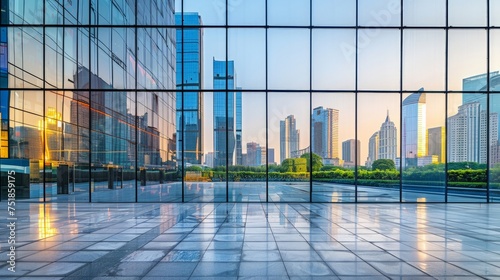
{"x":467,"y":136}
{"x":189,"y":76}
{"x":226,"y":119}
{"x":289,"y":138}
{"x":254,"y":154}
{"x":388,"y":136}
{"x":436,"y":143}
{"x":414,"y":140}
{"x":350,"y":148}
{"x":238,"y":135}
{"x":325,"y":132}
{"x":270,"y":156}
{"x":372,"y":149}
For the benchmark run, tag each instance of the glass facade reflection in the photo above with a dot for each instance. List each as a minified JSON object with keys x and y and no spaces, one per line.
{"x":323,"y":101}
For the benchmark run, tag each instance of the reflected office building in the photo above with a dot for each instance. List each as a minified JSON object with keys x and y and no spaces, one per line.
{"x":189,"y":77}
{"x":90,"y":114}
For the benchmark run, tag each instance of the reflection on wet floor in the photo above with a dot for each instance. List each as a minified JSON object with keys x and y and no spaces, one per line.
{"x":239,"y":240}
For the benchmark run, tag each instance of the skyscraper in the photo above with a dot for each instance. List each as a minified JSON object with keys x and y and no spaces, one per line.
{"x":414,"y":140}
{"x":227,"y":119}
{"x":436,"y":143}
{"x":254,"y":154}
{"x":388,"y":134}
{"x":289,"y":138}
{"x":270,"y":156}
{"x":239,"y":151}
{"x":325,"y":132}
{"x":468,"y":133}
{"x":349,"y":151}
{"x":189,"y":76}
{"x":372,"y":149}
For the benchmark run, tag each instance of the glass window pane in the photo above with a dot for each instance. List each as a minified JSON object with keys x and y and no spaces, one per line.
{"x":333,"y":134}
{"x":334,"y":59}
{"x":334,"y":13}
{"x":54,"y":48}
{"x":467,"y":146}
{"x":379,"y":13}
{"x":25,"y":50}
{"x":243,"y":12}
{"x":247,"y":178}
{"x":157,"y":176}
{"x":247,"y":47}
{"x":288,"y":59}
{"x":378,"y":131}
{"x":288,"y":122}
{"x":494,"y":161}
{"x":378,"y":50}
{"x":423,"y":146}
{"x":494,"y":60}
{"x":424,"y":57}
{"x":467,"y":13}
{"x":288,"y":12}
{"x":156,"y":67}
{"x":424,"y":12}
{"x":113,"y":157}
{"x":212,"y":12}
{"x":113,"y":59}
{"x":467,"y":60}
{"x":495,"y":13}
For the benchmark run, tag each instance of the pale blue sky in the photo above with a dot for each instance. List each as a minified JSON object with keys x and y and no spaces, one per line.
{"x":333,"y":64}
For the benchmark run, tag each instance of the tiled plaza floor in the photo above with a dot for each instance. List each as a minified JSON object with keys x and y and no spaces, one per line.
{"x":253,"y":241}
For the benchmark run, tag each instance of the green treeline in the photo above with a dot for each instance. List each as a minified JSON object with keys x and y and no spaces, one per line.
{"x":384,"y":173}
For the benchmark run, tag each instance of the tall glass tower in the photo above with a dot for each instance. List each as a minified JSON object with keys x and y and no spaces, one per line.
{"x":224,"y":116}
{"x":325,"y":132}
{"x":189,"y":76}
{"x":414,"y":138}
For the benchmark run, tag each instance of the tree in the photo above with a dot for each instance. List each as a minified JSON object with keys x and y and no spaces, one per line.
{"x":317,"y":161}
{"x":383,"y":164}
{"x":294,"y":165}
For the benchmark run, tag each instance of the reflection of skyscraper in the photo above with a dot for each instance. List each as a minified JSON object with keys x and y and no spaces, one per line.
{"x":436,"y":143}
{"x":289,"y":138}
{"x":373,"y":149}
{"x":349,"y":151}
{"x":388,"y":134}
{"x":226,"y":118}
{"x":189,"y":48}
{"x":468,"y":133}
{"x":414,"y":141}
{"x":325,"y":132}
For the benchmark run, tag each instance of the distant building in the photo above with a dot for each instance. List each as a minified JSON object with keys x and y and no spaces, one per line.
{"x":289,"y":138}
{"x":253,"y":155}
{"x":426,"y":160}
{"x":301,"y":152}
{"x":325,"y":132}
{"x":436,"y":143}
{"x":226,"y":119}
{"x":239,"y":125}
{"x":414,"y":133}
{"x":467,"y":136}
{"x":209,"y":159}
{"x":373,"y":149}
{"x":270,"y":156}
{"x":388,"y":136}
{"x":351,"y":148}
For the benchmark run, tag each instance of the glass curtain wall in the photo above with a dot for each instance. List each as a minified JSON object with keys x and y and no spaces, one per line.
{"x":259,"y":101}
